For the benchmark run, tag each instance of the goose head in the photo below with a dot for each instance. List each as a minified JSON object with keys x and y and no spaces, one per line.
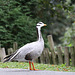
{"x":40,"y":24}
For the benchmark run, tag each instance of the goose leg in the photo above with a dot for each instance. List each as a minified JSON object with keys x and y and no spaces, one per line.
{"x":34,"y":67}
{"x":30,"y":65}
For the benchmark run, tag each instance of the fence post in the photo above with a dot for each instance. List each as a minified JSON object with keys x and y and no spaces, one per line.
{"x":66,"y":56}
{"x":36,"y":60}
{"x":15,"y":46}
{"x":51,"y":44}
{"x":73,"y":39}
{"x":2,"y":54}
{"x":10,"y":51}
{"x":60,"y":57}
{"x":45,"y":57}
{"x":72,"y":56}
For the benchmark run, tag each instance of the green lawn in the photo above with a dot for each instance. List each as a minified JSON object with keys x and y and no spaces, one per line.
{"x":24,"y":65}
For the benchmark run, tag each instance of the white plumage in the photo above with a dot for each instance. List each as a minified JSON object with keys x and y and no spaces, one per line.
{"x":29,"y":51}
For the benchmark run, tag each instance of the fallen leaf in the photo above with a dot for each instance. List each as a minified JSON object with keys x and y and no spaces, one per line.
{"x":52,"y":65}
{"x":6,"y":67}
{"x":65,"y":69}
{"x":57,"y":69}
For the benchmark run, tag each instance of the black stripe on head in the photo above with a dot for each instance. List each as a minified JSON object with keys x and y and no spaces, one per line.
{"x":37,"y":25}
{"x":40,"y":22}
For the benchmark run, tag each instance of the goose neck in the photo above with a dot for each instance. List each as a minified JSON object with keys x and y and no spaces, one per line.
{"x":39,"y":34}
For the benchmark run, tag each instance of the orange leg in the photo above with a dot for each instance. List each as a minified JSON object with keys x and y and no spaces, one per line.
{"x":34,"y":67}
{"x":30,"y":65}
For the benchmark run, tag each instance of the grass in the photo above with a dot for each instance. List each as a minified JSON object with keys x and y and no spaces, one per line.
{"x":49,"y":67}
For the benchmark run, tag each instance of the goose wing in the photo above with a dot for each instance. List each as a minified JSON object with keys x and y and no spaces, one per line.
{"x":24,"y":50}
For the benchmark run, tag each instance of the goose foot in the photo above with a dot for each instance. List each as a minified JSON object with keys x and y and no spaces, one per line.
{"x":32,"y":65}
{"x":31,"y":69}
{"x":35,"y":69}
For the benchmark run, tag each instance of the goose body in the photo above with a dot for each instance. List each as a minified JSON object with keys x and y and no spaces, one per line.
{"x":29,"y":51}
{"x":34,"y":50}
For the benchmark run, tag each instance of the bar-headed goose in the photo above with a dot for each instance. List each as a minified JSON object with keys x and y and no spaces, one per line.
{"x":29,"y":51}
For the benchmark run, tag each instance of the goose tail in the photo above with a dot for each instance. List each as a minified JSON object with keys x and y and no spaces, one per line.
{"x":7,"y":58}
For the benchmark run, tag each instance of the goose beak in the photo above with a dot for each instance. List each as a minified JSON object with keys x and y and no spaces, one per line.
{"x":45,"y":25}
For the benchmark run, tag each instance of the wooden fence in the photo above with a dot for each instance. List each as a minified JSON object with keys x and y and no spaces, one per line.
{"x":61,"y":55}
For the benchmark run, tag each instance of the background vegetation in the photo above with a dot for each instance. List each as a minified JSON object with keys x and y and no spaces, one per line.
{"x":18,"y":19}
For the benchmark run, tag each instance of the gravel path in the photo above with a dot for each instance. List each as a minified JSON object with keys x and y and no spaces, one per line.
{"x":7,"y":71}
